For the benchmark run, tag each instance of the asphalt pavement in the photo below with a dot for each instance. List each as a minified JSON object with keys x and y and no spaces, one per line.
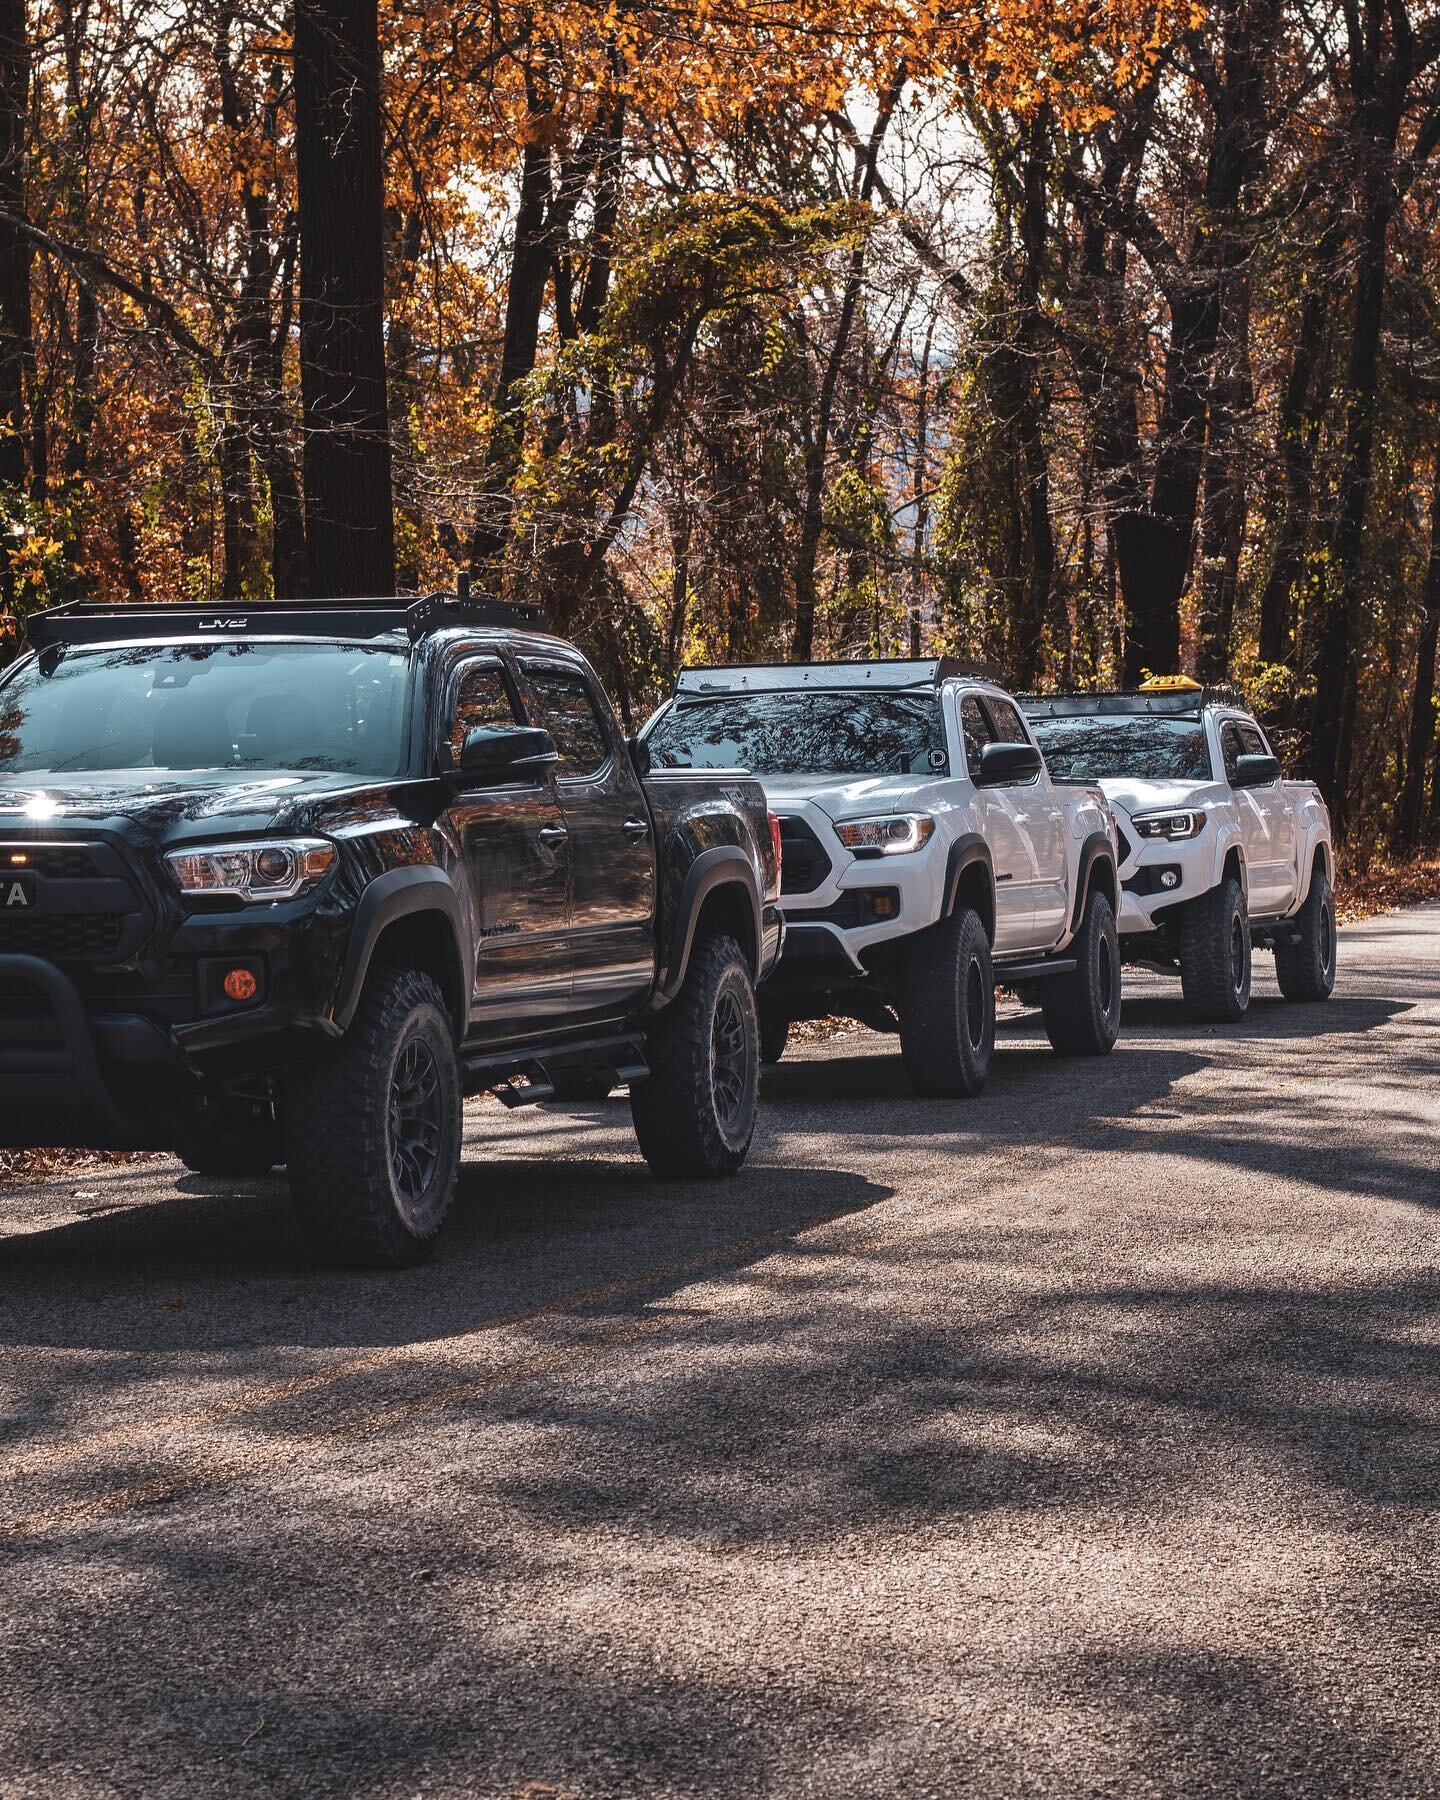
{"x":1082,"y":1439}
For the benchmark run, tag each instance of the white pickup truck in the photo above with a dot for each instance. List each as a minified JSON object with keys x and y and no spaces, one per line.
{"x":1218,"y":854}
{"x":927,"y":855}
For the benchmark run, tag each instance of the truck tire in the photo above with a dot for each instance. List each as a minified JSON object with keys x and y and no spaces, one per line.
{"x":1305,"y":967}
{"x":372,"y":1130}
{"x":1082,"y":1010}
{"x":1215,"y":954}
{"x":774,"y":1035}
{"x":237,"y":1141}
{"x":947,"y":1009}
{"x":695,"y":1113}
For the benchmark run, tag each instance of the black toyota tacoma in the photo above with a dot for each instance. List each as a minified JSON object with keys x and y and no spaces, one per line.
{"x":283,"y":884}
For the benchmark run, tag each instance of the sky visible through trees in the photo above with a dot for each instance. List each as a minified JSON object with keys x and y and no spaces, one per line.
{"x":1083,"y":339}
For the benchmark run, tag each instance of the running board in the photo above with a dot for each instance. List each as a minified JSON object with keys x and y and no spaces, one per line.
{"x":525,"y":1078}
{"x":1005,"y":973}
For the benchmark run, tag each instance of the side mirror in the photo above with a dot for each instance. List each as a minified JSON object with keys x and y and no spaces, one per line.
{"x":492,"y":752}
{"x":1001,"y":765}
{"x":1256,"y":771}
{"x":640,"y":759}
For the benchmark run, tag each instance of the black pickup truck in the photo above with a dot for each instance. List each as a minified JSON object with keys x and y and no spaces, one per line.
{"x":283,"y":884}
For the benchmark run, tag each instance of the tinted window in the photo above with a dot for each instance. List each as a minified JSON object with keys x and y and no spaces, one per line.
{"x":976,"y":729}
{"x":1008,"y":728}
{"x":1124,"y":747}
{"x":568,"y":714}
{"x":481,"y":699}
{"x":1230,"y":749}
{"x":328,"y":707}
{"x":803,"y":734}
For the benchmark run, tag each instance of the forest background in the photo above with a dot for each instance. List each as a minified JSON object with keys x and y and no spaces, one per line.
{"x":1077,"y":337}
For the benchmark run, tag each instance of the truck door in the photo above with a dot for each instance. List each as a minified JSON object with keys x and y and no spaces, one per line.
{"x":1280,"y":827}
{"x":998,"y":825}
{"x":1252,"y":809}
{"x":1041,"y":821}
{"x":612,"y":855}
{"x":517,"y":866}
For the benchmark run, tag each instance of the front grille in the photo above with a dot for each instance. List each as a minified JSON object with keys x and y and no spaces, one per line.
{"x":63,"y":937}
{"x":84,"y":909}
{"x":804,"y":864}
{"x":71,"y":862}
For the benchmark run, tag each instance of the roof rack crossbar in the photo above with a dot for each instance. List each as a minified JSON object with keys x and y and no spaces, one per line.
{"x":897,"y":672}
{"x":1171,"y":701}
{"x":90,"y":622}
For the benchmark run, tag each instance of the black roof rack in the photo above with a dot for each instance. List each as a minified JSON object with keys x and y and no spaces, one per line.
{"x":1172,"y":701}
{"x":86,"y":622}
{"x":709,"y":681}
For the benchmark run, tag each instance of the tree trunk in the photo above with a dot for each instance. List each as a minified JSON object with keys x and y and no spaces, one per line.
{"x":16,"y":344}
{"x":1226,"y":485}
{"x":530,"y":258}
{"x":349,"y":516}
{"x":812,"y":516}
{"x":1297,"y":441}
{"x":1422,"y":699}
{"x":1338,"y":597}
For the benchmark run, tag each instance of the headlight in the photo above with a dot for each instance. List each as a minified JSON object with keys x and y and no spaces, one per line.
{"x":890,"y":836}
{"x":1171,"y":825}
{"x":271,"y":869}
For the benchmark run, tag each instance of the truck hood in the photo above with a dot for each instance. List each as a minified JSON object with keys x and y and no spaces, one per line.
{"x":165,"y":807}
{"x":849,"y":796}
{"x":1155,"y":796}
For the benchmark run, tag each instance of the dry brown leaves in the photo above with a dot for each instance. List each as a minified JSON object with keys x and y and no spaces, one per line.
{"x":1384,"y":885}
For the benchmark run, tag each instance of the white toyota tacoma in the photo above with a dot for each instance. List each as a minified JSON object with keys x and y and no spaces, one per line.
{"x":927,"y":855}
{"x":1218,"y":854}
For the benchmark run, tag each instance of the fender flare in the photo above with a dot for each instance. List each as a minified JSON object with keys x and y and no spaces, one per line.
{"x":725,"y":865}
{"x":1316,"y":843}
{"x":1095,"y":848}
{"x":396,"y":895}
{"x":968,"y":850}
{"x":1228,"y":838}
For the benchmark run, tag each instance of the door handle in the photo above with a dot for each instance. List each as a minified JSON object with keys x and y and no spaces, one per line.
{"x":552,"y":834}
{"x":635,"y":829}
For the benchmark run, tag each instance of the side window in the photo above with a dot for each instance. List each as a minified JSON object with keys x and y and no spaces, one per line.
{"x":1251,"y":742}
{"x":976,"y":729}
{"x":568,"y":713}
{"x":1230,"y":748}
{"x":481,"y":698}
{"x":1008,"y":728}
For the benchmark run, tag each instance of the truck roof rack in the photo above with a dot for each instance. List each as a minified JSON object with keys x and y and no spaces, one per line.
{"x":88,"y":622}
{"x":1174,"y":702}
{"x":771,"y":678}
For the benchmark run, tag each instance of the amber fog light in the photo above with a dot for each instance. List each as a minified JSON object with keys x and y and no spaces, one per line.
{"x":240,"y":984}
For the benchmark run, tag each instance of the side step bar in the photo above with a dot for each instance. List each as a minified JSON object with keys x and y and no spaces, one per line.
{"x":525,"y":1078}
{"x":1005,"y":973}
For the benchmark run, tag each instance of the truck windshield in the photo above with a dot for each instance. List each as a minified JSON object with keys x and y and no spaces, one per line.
{"x":330,"y":707}
{"x":1124,"y":747}
{"x":803,"y":733}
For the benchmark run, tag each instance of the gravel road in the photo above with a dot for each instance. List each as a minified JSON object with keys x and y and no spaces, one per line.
{"x":1082,"y":1439}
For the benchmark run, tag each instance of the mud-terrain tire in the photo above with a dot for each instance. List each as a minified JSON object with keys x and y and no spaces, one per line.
{"x":774,"y":1036}
{"x":947,"y":1009}
{"x":237,"y":1141}
{"x":1215,"y":956}
{"x":1082,"y":1010}
{"x":694,"y":1113}
{"x":1305,"y":967}
{"x":372,"y":1130}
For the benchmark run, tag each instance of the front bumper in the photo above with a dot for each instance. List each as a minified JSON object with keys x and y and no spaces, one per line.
{"x":1157,"y":875}
{"x":54,"y":1089}
{"x":832,"y":919}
